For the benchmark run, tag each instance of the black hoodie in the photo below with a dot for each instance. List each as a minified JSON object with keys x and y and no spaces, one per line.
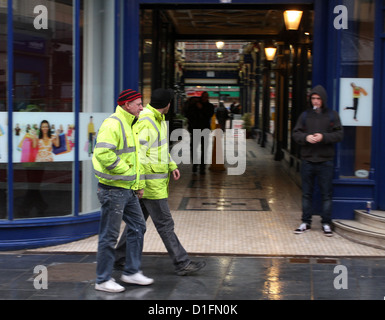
{"x":327,"y":123}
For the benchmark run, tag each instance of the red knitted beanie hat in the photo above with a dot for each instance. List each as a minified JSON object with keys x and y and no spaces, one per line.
{"x":128,"y":96}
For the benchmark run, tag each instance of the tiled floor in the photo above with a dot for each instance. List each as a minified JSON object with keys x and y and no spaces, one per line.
{"x":252,"y":214}
{"x":242,"y":226}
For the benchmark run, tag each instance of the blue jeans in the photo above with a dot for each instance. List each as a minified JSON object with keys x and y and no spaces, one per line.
{"x":161,"y":216}
{"x":323,"y":173}
{"x":118,"y":204}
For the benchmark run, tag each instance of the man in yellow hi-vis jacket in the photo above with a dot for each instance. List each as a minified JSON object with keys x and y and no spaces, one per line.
{"x":116,"y":165}
{"x":157,"y":167}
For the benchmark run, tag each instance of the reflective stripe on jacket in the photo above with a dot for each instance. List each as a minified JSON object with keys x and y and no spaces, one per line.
{"x":115,"y":159}
{"x":154,"y":155}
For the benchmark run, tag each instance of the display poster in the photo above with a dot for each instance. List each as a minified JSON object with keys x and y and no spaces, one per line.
{"x":89,"y":126}
{"x":50,"y":136}
{"x":3,"y":137}
{"x":43,"y":136}
{"x":356,"y":102}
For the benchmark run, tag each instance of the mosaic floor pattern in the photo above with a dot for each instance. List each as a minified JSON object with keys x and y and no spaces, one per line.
{"x":251,"y":214}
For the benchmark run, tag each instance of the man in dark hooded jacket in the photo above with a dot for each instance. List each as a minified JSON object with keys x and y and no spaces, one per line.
{"x":317,"y":131}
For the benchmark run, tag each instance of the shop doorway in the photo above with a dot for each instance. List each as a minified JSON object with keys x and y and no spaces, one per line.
{"x":179,"y":49}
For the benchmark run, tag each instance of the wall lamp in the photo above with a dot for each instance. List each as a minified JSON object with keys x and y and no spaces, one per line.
{"x":220,"y":45}
{"x":292,"y":19}
{"x":270,"y":53}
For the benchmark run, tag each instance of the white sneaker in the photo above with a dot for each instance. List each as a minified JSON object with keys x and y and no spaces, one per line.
{"x":137,"y":278}
{"x":109,"y":286}
{"x":302,"y":228}
{"x":327,"y":230}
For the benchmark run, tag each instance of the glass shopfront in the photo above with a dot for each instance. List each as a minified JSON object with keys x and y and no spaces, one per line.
{"x":43,"y":117}
{"x":64,"y":62}
{"x":57,"y":85}
{"x":3,"y":111}
{"x":356,"y":74}
{"x":98,"y":95}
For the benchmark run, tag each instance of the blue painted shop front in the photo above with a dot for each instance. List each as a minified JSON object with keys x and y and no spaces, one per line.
{"x":81,"y":105}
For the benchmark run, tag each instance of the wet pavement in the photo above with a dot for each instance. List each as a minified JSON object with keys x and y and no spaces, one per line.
{"x":251,"y":252}
{"x":225,"y":278}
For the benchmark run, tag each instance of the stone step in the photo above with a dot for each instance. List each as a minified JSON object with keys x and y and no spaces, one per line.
{"x":361,"y":233}
{"x":375,"y":219}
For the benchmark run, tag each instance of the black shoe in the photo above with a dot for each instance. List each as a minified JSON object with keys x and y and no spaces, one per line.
{"x":191,"y":267}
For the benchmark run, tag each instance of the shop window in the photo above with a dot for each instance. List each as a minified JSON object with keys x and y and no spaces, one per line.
{"x":3,"y":113}
{"x":146,"y":47}
{"x":43,"y":118}
{"x":356,"y":89}
{"x":97,"y":86}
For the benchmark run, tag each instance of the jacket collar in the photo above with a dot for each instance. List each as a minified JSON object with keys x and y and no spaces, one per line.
{"x":156,"y":113}
{"x":130,"y":118}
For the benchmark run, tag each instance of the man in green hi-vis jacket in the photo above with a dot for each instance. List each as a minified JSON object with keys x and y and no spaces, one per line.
{"x":157,"y":167}
{"x":116,"y":165}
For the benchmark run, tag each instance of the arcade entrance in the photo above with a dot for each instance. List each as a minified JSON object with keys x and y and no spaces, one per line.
{"x":194,"y":48}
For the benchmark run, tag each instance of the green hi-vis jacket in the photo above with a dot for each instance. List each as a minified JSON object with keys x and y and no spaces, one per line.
{"x":154,"y":154}
{"x":115,"y":159}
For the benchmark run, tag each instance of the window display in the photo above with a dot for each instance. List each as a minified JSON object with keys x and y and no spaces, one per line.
{"x":356,"y":89}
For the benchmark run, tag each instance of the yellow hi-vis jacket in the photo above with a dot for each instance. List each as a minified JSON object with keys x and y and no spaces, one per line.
{"x":154,"y":154}
{"x":115,"y":159}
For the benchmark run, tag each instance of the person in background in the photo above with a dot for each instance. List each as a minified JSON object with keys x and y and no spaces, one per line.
{"x":317,"y":131}
{"x":199,"y":115}
{"x":235,"y":108}
{"x":222,"y":114}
